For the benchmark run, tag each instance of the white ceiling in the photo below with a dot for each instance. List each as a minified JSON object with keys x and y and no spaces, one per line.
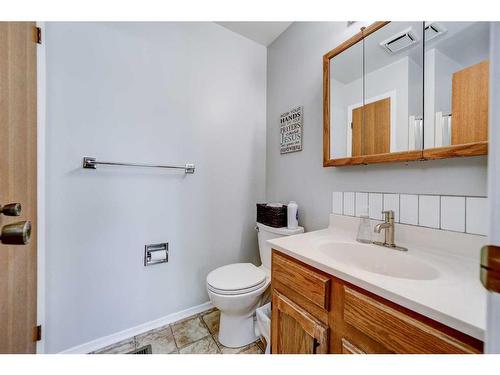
{"x":261,"y":32}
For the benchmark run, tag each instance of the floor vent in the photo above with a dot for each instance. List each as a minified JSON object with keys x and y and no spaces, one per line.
{"x":144,"y":350}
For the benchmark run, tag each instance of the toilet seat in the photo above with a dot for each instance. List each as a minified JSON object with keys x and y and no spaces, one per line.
{"x":236,"y":292}
{"x":237,"y":278}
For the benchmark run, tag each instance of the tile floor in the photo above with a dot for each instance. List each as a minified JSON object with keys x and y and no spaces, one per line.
{"x":194,"y":335}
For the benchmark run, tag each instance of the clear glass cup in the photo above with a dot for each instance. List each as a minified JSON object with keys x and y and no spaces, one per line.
{"x":364,"y":230}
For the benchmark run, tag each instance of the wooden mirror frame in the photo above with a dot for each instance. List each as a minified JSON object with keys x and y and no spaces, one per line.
{"x":467,"y":149}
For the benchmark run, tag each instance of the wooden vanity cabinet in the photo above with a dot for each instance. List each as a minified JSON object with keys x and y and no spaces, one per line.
{"x":315,"y":313}
{"x":295,"y":331}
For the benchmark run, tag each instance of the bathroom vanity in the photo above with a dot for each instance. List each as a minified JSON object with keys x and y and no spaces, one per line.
{"x":331,"y":294}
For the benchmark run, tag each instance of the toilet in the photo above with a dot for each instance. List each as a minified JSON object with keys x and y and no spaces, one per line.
{"x":237,"y":290}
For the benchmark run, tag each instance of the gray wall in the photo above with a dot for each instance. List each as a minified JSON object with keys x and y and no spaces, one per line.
{"x":294,"y":77}
{"x":493,"y":304}
{"x":151,"y":92}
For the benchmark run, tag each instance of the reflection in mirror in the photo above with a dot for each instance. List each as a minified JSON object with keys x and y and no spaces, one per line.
{"x":346,"y":88}
{"x":393,"y":89}
{"x":456,"y":83}
{"x":376,"y":93}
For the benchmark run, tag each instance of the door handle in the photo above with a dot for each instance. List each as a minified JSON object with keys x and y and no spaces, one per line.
{"x":11,"y":209}
{"x":315,"y":345}
{"x":16,"y":234}
{"x":490,"y":268}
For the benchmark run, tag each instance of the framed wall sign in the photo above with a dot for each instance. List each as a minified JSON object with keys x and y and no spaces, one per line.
{"x":291,"y":123}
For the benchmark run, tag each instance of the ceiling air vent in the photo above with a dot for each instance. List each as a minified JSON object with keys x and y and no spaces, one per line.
{"x":433,"y":30}
{"x":400,"y":41}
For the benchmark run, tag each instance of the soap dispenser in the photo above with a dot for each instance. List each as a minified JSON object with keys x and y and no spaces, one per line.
{"x":364,"y":230}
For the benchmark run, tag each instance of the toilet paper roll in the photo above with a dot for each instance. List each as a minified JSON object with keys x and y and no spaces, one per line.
{"x":158,"y":255}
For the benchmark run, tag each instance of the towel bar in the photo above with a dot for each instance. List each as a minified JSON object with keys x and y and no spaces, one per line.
{"x":91,"y":163}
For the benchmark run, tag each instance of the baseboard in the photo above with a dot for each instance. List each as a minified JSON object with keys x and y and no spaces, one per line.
{"x":137,"y":330}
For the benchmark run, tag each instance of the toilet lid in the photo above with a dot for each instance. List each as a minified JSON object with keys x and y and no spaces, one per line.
{"x":236,"y":277}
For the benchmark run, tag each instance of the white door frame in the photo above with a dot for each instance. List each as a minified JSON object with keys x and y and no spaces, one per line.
{"x":390,"y":94}
{"x":492,"y":344}
{"x":41,"y":209}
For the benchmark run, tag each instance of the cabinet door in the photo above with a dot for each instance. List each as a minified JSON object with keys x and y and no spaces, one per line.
{"x":294,"y":330}
{"x":349,"y":348}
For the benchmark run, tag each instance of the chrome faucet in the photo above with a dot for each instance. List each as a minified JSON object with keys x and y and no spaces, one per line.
{"x":388,"y":226}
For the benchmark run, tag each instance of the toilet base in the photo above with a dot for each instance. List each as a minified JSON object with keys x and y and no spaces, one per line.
{"x":237,"y":311}
{"x":236,"y":330}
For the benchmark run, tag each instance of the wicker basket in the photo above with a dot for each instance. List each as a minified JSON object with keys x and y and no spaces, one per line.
{"x":272,"y":216}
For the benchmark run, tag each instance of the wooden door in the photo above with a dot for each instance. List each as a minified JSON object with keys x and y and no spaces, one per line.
{"x":18,"y":184}
{"x":294,"y":330}
{"x":469,"y":104}
{"x":371,"y":128}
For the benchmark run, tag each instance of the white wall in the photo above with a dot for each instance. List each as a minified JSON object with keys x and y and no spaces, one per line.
{"x":415,"y":96}
{"x":152,"y":92}
{"x":439,"y":70}
{"x":295,"y":78}
{"x":338,"y":114}
{"x":444,"y":69}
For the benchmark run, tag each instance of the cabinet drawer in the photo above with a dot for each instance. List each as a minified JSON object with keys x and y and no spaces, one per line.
{"x":310,"y":284}
{"x":395,"y":330}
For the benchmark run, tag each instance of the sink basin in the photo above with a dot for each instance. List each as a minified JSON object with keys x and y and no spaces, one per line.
{"x":379,"y":260}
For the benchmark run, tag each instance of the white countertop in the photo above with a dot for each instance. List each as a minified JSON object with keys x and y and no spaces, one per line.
{"x":455,"y":297}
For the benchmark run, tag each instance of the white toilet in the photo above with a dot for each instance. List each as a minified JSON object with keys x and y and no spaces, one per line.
{"x":237,"y":290}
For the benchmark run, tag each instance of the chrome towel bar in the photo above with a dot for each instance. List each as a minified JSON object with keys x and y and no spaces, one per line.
{"x":91,"y":163}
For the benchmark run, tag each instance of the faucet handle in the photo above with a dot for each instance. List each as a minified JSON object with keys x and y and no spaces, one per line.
{"x":389,"y":215}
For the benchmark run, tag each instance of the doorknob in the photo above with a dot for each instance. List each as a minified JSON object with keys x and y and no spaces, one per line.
{"x":11,"y":209}
{"x":16,"y":234}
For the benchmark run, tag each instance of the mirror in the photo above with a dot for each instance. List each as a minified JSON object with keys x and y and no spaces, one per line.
{"x":346,"y":88}
{"x":374,"y":99}
{"x":376,"y":94}
{"x":394,"y":88}
{"x":456,"y":84}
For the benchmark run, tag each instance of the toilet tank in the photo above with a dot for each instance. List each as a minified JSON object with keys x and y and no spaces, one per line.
{"x":268,"y":233}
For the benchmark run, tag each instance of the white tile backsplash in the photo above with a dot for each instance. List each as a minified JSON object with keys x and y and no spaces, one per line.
{"x":361,"y":204}
{"x":476,"y":215}
{"x":428,"y":211}
{"x":337,"y":202}
{"x":391,"y":202}
{"x":408,"y":210}
{"x":375,"y":206}
{"x":453,"y":213}
{"x":349,"y":204}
